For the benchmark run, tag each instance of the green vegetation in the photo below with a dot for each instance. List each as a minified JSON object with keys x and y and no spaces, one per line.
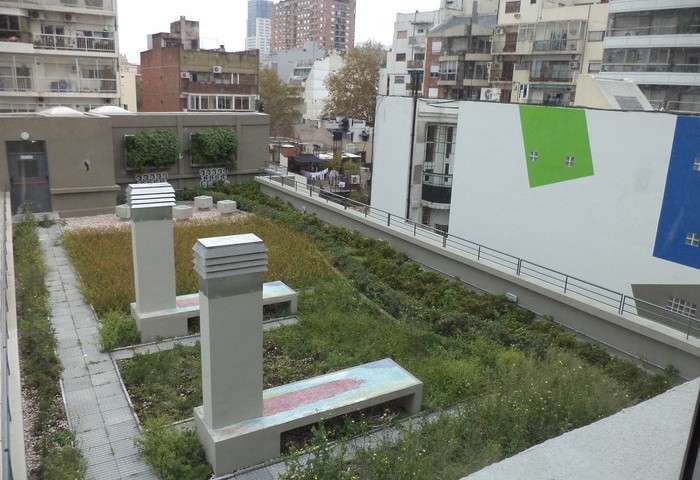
{"x":216,"y":147}
{"x":514,"y":380}
{"x":158,"y":149}
{"x":58,"y":457}
{"x":117,"y":329}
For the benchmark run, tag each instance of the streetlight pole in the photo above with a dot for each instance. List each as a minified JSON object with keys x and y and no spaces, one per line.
{"x":416,"y":76}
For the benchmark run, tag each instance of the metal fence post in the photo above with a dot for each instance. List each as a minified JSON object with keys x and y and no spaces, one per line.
{"x":520,"y":264}
{"x":444,"y":240}
{"x":478,"y":253}
{"x":621,"y":310}
{"x":566,"y":283}
{"x":388,"y":219}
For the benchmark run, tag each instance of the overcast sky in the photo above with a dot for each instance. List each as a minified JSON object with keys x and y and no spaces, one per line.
{"x":224,"y":22}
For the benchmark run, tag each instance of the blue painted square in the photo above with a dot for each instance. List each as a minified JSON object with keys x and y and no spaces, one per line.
{"x":680,"y":214}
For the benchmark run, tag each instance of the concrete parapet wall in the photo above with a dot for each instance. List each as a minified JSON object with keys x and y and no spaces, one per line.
{"x":658,"y":345}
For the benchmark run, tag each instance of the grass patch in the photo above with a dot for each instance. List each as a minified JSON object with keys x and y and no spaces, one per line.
{"x":104,"y":259}
{"x":118,"y":329}
{"x":41,"y":368}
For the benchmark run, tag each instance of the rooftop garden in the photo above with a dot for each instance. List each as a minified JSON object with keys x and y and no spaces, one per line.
{"x":507,"y":379}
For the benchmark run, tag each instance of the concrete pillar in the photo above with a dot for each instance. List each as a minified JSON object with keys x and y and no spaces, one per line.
{"x":152,"y":243}
{"x":230,"y":273}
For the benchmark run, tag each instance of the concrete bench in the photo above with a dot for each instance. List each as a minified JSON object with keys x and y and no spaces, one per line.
{"x":304,"y":403}
{"x":173,"y":322}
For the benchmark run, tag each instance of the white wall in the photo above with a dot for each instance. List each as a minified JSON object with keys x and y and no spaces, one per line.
{"x":392,"y":144}
{"x":600,"y":228}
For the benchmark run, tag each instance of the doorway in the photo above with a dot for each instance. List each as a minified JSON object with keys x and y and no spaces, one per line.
{"x":29,"y":176}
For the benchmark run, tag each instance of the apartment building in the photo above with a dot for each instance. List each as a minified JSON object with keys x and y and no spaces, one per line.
{"x":407,"y":52}
{"x":458,"y":57}
{"x":176,"y":75}
{"x":657,"y":44}
{"x":259,"y":30}
{"x":330,"y":23}
{"x":540,"y":47}
{"x":558,"y":187}
{"x":58,"y":52}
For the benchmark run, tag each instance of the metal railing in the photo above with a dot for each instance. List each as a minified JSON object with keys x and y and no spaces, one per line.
{"x":5,"y":415}
{"x":67,"y":42}
{"x":90,"y":4}
{"x":567,"y":284}
{"x":18,"y":83}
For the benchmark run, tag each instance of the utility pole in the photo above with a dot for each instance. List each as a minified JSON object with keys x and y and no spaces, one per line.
{"x":416,"y":77}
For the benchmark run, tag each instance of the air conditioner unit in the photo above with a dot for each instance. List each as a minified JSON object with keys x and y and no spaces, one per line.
{"x":34,"y":14}
{"x":499,"y":31}
{"x":184,"y":74}
{"x":217,"y":69}
{"x":516,"y":15}
{"x":573,"y":64}
{"x":73,"y":68}
{"x":490,"y":94}
{"x":67,"y":17}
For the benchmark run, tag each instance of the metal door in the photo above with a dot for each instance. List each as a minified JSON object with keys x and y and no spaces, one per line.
{"x":29,"y":176}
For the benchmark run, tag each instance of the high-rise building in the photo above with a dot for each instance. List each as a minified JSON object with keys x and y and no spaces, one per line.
{"x":658,"y":46}
{"x":330,"y":23}
{"x":259,"y":31}
{"x":58,"y":52}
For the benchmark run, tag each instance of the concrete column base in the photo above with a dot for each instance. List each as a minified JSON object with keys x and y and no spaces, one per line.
{"x":162,"y":324}
{"x":238,"y":446}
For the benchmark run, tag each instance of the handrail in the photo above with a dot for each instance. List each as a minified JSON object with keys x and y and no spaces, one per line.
{"x":623,"y":304}
{"x":5,"y":415}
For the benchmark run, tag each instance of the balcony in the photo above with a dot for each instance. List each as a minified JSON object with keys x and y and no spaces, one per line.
{"x":542,"y":46}
{"x":65,"y":42}
{"x":84,"y":4}
{"x":416,"y":41}
{"x":48,"y":86}
{"x":437,"y":188}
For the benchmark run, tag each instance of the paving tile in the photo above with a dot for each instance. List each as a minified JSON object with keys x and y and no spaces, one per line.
{"x":100,"y":365}
{"x":92,"y":438}
{"x":88,"y":332}
{"x":121,"y":354}
{"x":112,"y":402}
{"x":124,"y":448}
{"x":257,"y":474}
{"x":74,"y":371}
{"x":104,"y":471}
{"x":122,"y":431}
{"x":118,"y":416}
{"x":104,"y":378}
{"x":109,"y":390}
{"x":134,"y":467}
{"x":86,"y":423}
{"x":76,"y":383}
{"x":99,"y":453}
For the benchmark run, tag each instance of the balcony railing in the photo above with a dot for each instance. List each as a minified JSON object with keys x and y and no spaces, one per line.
{"x":653,"y":68}
{"x":416,"y":41}
{"x":65,"y":42}
{"x":57,"y":84}
{"x":414,"y":65}
{"x":96,"y":4}
{"x":654,"y":30}
{"x":555,"y":45}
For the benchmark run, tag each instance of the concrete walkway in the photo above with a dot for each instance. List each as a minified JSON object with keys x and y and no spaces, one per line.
{"x":97,"y":407}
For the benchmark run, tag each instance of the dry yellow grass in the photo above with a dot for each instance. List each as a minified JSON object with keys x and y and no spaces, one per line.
{"x":102,"y":257}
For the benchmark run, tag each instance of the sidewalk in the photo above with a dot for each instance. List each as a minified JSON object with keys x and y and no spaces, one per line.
{"x":97,"y":407}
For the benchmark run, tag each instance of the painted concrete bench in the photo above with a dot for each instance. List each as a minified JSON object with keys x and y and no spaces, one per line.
{"x":173,"y":322}
{"x":306,"y":402}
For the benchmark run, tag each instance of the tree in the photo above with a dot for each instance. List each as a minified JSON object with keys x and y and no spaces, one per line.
{"x":352,"y":90}
{"x":281,"y":101}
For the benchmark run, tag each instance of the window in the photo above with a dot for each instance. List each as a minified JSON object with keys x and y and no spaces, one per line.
{"x":513,"y":7}
{"x":569,"y":161}
{"x":596,"y":36}
{"x":400,"y":57}
{"x":432,"y":92}
{"x":692,"y":239}
{"x":436,"y":47}
{"x":681,"y":306}
{"x":594,"y":67}
{"x":434,"y":70}
{"x":399,"y":79}
{"x":696,"y":164}
{"x":533,"y":156}
{"x":526,"y":33}
{"x":439,"y":145}
{"x":448,"y":70}
{"x":219,"y":102}
{"x":9,"y":28}
{"x":401,"y":34}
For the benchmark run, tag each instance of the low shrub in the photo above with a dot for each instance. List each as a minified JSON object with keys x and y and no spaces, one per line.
{"x":118,"y":330}
{"x":174,"y":453}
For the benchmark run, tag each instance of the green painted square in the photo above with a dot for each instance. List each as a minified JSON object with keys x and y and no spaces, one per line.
{"x":557,"y":148}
